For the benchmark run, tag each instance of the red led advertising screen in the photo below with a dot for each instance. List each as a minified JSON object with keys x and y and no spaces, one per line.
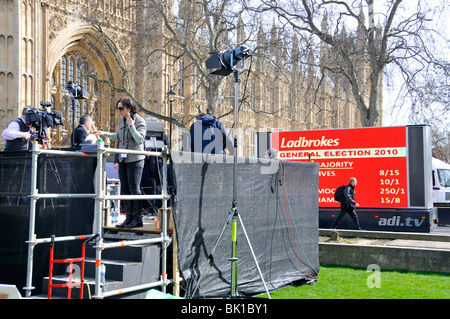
{"x":376,"y":156}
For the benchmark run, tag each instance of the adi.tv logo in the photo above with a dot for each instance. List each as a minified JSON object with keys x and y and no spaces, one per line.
{"x":399,"y":221}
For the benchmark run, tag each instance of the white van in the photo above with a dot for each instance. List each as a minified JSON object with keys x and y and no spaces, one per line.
{"x":441,"y":183}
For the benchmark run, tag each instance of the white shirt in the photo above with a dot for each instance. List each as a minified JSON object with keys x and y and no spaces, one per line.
{"x":13,"y":131}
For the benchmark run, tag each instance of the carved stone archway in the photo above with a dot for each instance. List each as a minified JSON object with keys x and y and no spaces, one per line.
{"x":81,"y":45}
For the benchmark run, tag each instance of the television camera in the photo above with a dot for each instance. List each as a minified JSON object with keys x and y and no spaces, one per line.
{"x":41,"y":120}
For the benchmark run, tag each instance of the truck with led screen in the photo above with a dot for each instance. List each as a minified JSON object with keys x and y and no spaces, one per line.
{"x":391,"y":164}
{"x":441,"y":190}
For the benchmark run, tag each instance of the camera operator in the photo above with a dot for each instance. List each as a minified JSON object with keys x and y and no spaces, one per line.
{"x":209,"y":135}
{"x":82,"y":131}
{"x":18,"y":133}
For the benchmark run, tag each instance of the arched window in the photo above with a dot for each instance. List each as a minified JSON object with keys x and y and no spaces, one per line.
{"x":79,"y":71}
{"x":71,"y":70}
{"x":62,"y":108}
{"x":63,"y":71}
{"x":85,"y":72}
{"x":85,"y":107}
{"x":74,"y":67}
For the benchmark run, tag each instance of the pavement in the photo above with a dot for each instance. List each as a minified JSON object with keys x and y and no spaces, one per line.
{"x":419,"y":244}
{"x":437,"y":238}
{"x":441,"y":230}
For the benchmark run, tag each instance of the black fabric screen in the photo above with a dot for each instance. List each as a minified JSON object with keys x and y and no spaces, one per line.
{"x":278,"y":204}
{"x":62,"y":217}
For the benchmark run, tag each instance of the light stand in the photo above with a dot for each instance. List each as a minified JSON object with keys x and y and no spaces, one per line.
{"x":171,"y":98}
{"x":76,"y":92}
{"x":233,"y":216}
{"x":73,"y":121}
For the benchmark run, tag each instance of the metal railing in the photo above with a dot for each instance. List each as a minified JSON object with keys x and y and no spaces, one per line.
{"x":100,"y":196}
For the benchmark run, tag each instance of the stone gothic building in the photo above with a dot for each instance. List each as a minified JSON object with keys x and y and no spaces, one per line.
{"x":44,"y":44}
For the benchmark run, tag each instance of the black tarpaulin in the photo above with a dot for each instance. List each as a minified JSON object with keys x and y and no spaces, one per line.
{"x":278,"y":204}
{"x":58,"y":216}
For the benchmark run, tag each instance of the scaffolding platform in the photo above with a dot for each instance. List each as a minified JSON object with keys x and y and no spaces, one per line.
{"x":110,"y":242}
{"x":148,"y":228}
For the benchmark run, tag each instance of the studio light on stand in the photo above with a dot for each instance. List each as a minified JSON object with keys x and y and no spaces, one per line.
{"x":171,"y":98}
{"x":224,"y":62}
{"x":76,"y":92}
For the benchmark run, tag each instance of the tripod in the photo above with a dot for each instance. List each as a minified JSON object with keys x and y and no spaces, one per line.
{"x":234,"y":216}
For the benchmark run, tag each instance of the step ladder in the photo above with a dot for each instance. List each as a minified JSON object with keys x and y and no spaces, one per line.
{"x":70,"y":283}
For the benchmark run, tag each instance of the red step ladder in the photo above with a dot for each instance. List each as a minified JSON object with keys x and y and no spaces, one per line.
{"x":69,"y":261}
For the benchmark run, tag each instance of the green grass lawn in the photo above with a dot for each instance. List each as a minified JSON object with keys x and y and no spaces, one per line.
{"x":351,"y":283}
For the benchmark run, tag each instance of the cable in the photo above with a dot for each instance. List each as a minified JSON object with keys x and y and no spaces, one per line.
{"x":89,"y":288}
{"x":290,"y":228}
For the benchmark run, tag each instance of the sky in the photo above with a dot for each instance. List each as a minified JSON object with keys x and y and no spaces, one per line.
{"x":441,"y":24}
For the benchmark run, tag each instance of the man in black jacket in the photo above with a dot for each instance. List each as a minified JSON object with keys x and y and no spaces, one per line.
{"x":82,"y":130}
{"x":18,"y":134}
{"x":348,"y":205}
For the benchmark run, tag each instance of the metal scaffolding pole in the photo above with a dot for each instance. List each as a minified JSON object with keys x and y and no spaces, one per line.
{"x":98,"y":213}
{"x":99,"y":199}
{"x":164,"y":228}
{"x":31,"y":228}
{"x":34,"y":197}
{"x":101,"y":196}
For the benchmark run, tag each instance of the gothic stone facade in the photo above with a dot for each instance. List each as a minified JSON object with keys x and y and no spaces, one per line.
{"x":45,"y":44}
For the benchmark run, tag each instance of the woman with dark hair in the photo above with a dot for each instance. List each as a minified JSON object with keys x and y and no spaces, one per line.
{"x":131,"y":136}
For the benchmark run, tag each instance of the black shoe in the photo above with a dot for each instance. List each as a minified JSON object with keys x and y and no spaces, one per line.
{"x":136,"y":222}
{"x":127,"y":221}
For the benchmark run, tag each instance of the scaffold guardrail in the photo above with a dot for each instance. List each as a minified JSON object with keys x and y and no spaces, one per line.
{"x":100,"y":196}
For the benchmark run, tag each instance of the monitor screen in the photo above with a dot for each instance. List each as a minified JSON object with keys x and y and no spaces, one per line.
{"x":376,"y":157}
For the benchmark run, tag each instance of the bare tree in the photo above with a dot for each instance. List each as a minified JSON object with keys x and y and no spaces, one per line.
{"x":129,"y":49}
{"x":399,"y":38}
{"x":188,"y":33}
{"x":199,"y":29}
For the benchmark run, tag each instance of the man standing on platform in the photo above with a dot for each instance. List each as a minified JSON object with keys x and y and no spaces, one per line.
{"x":82,"y":130}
